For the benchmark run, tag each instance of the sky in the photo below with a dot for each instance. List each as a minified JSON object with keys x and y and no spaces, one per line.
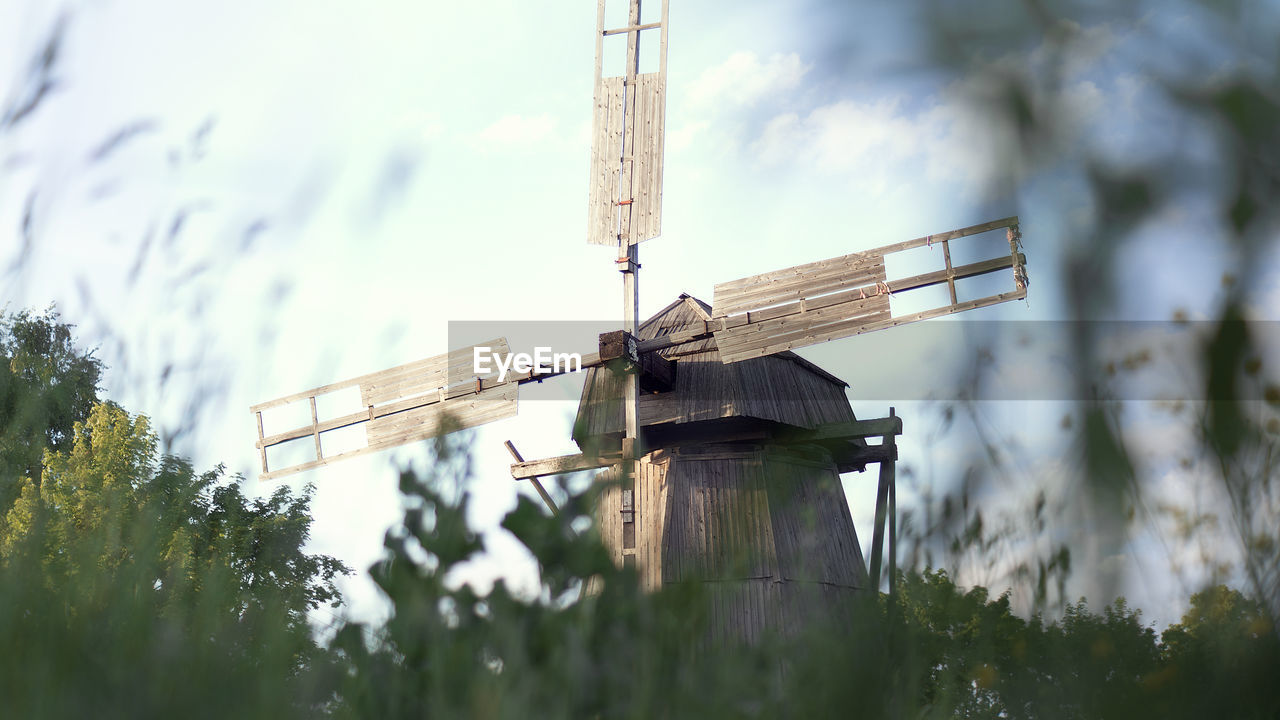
{"x":242,"y":201}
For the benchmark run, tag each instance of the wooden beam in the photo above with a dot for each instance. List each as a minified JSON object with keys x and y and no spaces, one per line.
{"x":949,"y":235}
{"x":546,"y":497}
{"x":417,"y":366}
{"x":856,"y":429}
{"x":886,"y":507}
{"x":617,"y":345}
{"x":877,"y":541}
{"x":560,"y":465}
{"x":632,"y":28}
{"x":964,"y":271}
{"x":857,"y":458}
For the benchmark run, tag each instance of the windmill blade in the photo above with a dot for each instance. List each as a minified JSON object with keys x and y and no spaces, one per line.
{"x":399,"y":405}
{"x":624,"y":206}
{"x":847,"y":295}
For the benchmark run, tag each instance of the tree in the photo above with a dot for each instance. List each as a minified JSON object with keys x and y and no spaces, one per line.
{"x":123,"y":564}
{"x":1225,"y":643}
{"x":47,"y":384}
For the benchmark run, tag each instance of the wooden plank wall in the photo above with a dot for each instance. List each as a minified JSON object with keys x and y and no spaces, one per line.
{"x":766,"y":529}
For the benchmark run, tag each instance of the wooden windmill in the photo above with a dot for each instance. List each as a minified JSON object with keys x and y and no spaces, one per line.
{"x":726,"y":447}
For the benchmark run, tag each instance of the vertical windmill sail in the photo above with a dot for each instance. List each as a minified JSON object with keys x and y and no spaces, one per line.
{"x":627,"y":131}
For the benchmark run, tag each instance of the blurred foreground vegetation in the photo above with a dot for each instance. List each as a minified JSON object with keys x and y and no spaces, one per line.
{"x":131,"y":586}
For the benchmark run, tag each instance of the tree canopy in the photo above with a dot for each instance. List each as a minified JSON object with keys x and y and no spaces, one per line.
{"x":124,"y":574}
{"x":47,"y":384}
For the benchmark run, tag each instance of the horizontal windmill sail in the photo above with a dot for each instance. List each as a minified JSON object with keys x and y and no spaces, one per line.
{"x":848,"y":295}
{"x":400,"y":405}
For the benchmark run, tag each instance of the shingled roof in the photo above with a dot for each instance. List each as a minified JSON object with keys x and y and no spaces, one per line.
{"x":782,"y":388}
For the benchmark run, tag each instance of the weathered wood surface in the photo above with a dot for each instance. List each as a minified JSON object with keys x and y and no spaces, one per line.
{"x":546,"y":496}
{"x":858,"y":327}
{"x":784,"y":388}
{"x":801,"y":329}
{"x":804,"y":281}
{"x":768,"y":529}
{"x":426,"y":421}
{"x":860,"y":270}
{"x":450,"y":359}
{"x":877,"y":427}
{"x":403,"y":404}
{"x":528,"y":469}
{"x":776,"y":388}
{"x":632,"y":28}
{"x":610,"y":127}
{"x":844,"y":296}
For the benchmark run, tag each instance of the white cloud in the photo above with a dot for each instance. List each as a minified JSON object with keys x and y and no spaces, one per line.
{"x":682,"y":137}
{"x":880,"y":143}
{"x":518,"y":130}
{"x":744,"y":80}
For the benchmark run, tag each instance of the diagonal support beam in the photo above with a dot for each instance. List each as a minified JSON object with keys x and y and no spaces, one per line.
{"x":886,"y":505}
{"x":546,"y":497}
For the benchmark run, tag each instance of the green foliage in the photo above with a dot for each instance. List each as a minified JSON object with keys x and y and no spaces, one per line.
{"x":931,"y":650}
{"x":1225,"y":642}
{"x":47,"y":384}
{"x":446,"y":651}
{"x":125,"y":575}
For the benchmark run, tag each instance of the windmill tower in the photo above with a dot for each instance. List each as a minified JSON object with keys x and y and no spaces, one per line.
{"x":733,"y":489}
{"x":724,"y":448}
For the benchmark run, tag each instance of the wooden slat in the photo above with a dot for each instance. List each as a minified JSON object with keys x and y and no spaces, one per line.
{"x":733,"y":340}
{"x":560,"y":464}
{"x":821,"y":282}
{"x":632,"y":28}
{"x":467,"y":412}
{"x":359,"y":380}
{"x":964,"y":271}
{"x":425,"y":422}
{"x":877,"y":427}
{"x":800,"y":336}
{"x":911,"y":283}
{"x":606,"y":137}
{"x":650,"y":137}
{"x":831,"y":266}
{"x":261,"y":450}
{"x":428,"y":375}
{"x":646,"y":128}
{"x":949,"y":235}
{"x":858,"y":328}
{"x":727,"y":294}
{"x":420,"y":423}
{"x":857,"y":309}
{"x":459,"y":390}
